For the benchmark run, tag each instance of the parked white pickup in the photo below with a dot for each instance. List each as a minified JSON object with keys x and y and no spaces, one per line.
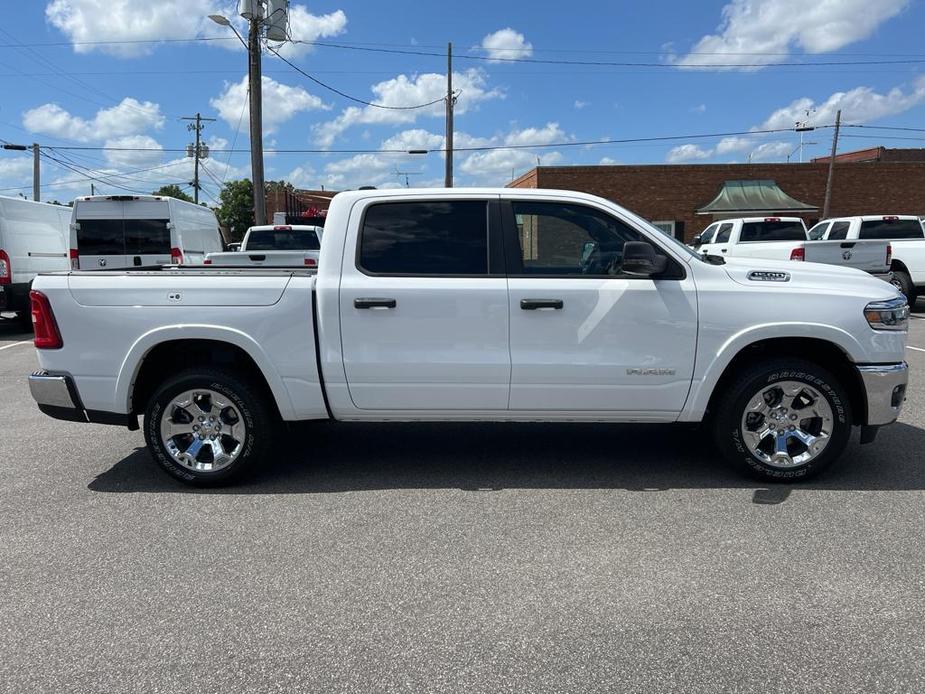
{"x":904,"y":233}
{"x":477,"y":304}
{"x":274,"y":245}
{"x":784,"y":238}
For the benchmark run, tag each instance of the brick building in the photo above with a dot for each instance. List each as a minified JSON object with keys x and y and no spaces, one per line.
{"x":678,"y":197}
{"x":306,"y":206}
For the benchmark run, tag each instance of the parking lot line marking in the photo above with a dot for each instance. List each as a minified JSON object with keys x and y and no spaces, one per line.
{"x":917,"y":349}
{"x":29,"y":342}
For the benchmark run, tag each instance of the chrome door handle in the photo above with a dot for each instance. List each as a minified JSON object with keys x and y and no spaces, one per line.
{"x":375,"y":303}
{"x":541,"y":304}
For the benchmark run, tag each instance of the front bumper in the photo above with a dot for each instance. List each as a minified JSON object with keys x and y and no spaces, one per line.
{"x":57,"y":396}
{"x":885,"y":390}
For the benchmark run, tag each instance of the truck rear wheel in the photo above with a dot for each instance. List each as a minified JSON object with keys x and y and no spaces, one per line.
{"x":903,"y":282}
{"x":207,"y":427}
{"x":783,"y":420}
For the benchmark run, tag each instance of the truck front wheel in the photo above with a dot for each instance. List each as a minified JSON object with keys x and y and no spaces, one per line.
{"x":207,"y":427}
{"x":783,"y":420}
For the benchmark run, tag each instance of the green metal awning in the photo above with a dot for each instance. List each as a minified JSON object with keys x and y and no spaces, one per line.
{"x":753,"y":196}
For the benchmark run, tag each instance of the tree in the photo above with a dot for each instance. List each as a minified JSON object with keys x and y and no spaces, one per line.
{"x":172,"y":191}
{"x":236,"y":212}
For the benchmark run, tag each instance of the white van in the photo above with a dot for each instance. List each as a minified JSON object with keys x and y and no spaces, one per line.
{"x":33,"y":239}
{"x":116,"y":231}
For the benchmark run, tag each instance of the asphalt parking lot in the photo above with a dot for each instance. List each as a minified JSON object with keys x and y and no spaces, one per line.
{"x":456,"y":558}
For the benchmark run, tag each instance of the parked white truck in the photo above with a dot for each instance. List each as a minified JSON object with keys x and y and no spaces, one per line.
{"x":274,"y":245}
{"x":480,"y":304}
{"x":785,"y":238}
{"x":905,"y":235}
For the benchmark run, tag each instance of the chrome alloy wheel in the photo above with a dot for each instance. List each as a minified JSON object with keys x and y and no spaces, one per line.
{"x":787,"y":424}
{"x":202,"y":430}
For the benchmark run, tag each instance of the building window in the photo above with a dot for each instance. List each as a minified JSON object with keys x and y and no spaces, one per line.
{"x":667,"y":228}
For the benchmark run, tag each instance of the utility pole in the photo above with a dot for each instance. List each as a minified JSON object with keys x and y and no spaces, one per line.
{"x":36,"y":174}
{"x":450,"y":103}
{"x":197,"y":151}
{"x":255,"y":80}
{"x":828,"y":184}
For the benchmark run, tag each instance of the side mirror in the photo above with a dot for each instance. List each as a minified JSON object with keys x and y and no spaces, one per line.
{"x":641,"y":260}
{"x":696,"y":241}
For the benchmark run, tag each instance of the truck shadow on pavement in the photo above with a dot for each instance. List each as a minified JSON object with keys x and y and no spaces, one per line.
{"x":345,"y":457}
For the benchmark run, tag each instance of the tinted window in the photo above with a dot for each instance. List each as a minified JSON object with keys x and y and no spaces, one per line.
{"x":425,"y":238}
{"x":706,"y":236}
{"x":283,"y":240}
{"x":722,"y":236}
{"x":772,"y":231}
{"x":889,"y":230}
{"x":147,"y":237}
{"x":839,"y":231}
{"x":100,"y":237}
{"x":818,"y":231}
{"x":559,"y":239}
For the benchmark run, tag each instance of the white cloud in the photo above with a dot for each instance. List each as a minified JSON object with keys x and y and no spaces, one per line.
{"x":608,"y":161}
{"x":858,"y":105}
{"x":281,"y":102}
{"x":129,"y":117}
{"x":699,"y":108}
{"x":408,"y":91}
{"x":579,"y":104}
{"x":764,"y":31}
{"x":771,"y":151}
{"x":496,"y":166}
{"x":506,"y":44}
{"x":133,"y":151}
{"x":133,"y":20}
{"x":689,"y":152}
{"x":729,"y":145}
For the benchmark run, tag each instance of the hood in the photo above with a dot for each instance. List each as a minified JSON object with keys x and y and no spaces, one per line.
{"x":814,"y":276}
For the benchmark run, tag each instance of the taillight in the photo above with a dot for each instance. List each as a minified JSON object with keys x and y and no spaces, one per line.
{"x":798,"y":253}
{"x":207,"y":261}
{"x":772,"y":219}
{"x":47,"y":335}
{"x":891,"y":218}
{"x":889,"y":254}
{"x":75,"y":259}
{"x":6,"y":270}
{"x":311,"y":262}
{"x":176,"y":256}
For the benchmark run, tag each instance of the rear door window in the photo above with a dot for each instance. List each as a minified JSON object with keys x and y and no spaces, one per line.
{"x":890,"y":230}
{"x":425,"y":238}
{"x":818,"y":231}
{"x":772,"y":231}
{"x":100,"y":237}
{"x":146,"y":237}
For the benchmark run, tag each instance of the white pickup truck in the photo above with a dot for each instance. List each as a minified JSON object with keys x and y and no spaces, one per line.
{"x":905,"y":235}
{"x":274,"y":245}
{"x":476,"y":304}
{"x":785,"y":238}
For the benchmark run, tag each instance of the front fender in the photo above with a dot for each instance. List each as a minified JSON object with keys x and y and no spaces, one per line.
{"x":131,"y":365}
{"x":714,"y":357}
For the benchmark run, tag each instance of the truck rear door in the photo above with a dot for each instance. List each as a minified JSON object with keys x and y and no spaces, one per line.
{"x":100,"y":239}
{"x":424,"y":306}
{"x":146,"y":230}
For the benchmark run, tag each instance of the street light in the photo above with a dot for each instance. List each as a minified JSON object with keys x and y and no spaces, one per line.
{"x":219,"y":19}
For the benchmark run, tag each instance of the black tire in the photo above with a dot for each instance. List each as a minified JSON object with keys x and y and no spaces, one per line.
{"x":248,"y":399}
{"x":903,"y":282}
{"x":733,"y":402}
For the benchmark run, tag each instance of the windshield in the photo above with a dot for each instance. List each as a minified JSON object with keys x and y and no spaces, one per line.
{"x":772,"y":231}
{"x":282,"y":240}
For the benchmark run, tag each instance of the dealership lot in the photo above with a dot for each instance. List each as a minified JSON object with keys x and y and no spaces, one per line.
{"x":456,"y":558}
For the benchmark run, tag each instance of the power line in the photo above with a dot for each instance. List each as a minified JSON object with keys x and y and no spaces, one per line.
{"x":347,"y":96}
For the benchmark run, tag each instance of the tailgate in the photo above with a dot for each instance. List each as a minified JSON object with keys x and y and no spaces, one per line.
{"x":869,"y":256}
{"x":264,"y":258}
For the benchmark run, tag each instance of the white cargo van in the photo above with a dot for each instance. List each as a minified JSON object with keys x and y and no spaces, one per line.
{"x":33,"y":239}
{"x":116,"y":231}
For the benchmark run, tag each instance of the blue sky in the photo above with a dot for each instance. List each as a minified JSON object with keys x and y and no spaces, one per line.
{"x":123,"y":101}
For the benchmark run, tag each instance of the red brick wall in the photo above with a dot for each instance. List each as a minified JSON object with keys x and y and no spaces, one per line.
{"x":675,"y":192}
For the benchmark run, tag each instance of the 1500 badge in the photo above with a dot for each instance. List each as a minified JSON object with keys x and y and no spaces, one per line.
{"x":650,"y":372}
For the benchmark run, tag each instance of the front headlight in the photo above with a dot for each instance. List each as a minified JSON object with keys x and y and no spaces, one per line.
{"x":888,"y":315}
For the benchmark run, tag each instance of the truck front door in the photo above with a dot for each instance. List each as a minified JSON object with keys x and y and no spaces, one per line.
{"x":585,"y":337}
{"x":424,"y":307}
